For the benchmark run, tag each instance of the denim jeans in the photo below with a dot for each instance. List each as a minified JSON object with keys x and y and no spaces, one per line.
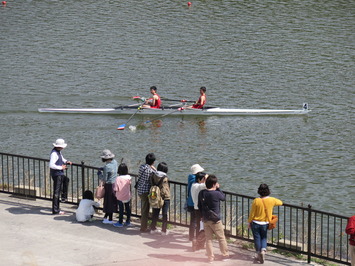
{"x":192,"y":226}
{"x":260,"y":236}
{"x":124,"y":207}
{"x":155,"y":217}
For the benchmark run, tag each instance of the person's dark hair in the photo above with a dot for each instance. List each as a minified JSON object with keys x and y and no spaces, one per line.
{"x":211,"y":181}
{"x":122,"y":169}
{"x":264,"y":190}
{"x":105,"y":160}
{"x":163,"y":167}
{"x":150,"y":158}
{"x":203,"y":89}
{"x":88,"y":195}
{"x":200,"y":176}
{"x":153,"y":88}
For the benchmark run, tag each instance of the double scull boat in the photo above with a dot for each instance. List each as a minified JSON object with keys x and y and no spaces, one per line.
{"x":176,"y":110}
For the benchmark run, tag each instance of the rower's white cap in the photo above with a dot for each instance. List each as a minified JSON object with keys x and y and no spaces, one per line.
{"x":60,"y":143}
{"x":196,"y":168}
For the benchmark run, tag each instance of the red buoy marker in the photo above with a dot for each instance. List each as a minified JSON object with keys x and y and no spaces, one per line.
{"x":3,"y":3}
{"x":189,"y":4}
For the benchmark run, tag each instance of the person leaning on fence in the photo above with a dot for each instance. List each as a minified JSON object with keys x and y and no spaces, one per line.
{"x":350,"y":230}
{"x":195,"y":190}
{"x":108,"y":176}
{"x":122,"y":189}
{"x":85,"y":211}
{"x":209,"y":205}
{"x":57,"y":165}
{"x":143,"y":186}
{"x":196,"y":168}
{"x":161,"y":180}
{"x":261,"y":209}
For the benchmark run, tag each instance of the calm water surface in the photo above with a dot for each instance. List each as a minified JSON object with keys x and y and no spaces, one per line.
{"x":249,"y":54}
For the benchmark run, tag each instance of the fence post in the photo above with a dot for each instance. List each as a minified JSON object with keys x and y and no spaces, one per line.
{"x":309,"y":234}
{"x":82,"y":177}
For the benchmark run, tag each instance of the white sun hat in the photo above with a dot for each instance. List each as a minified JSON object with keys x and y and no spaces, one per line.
{"x":196,"y":168}
{"x":107,"y":154}
{"x":60,"y":143}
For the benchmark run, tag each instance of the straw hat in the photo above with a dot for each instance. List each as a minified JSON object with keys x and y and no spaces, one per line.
{"x":196,"y":168}
{"x":107,"y":154}
{"x":60,"y":143}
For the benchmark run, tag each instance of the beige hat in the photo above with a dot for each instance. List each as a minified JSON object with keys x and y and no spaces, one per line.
{"x":196,"y":168}
{"x":107,"y":154}
{"x":60,"y":143}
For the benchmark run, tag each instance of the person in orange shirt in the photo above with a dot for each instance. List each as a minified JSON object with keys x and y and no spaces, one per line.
{"x":155,"y":102}
{"x":261,"y":209}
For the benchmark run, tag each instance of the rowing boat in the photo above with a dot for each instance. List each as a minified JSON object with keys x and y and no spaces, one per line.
{"x":177,"y":110}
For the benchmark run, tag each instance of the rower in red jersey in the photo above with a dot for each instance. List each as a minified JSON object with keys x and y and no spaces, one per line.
{"x":201,"y":100}
{"x":154,"y":102}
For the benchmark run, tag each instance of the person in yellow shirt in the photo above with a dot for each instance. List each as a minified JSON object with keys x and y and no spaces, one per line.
{"x":260,"y":214}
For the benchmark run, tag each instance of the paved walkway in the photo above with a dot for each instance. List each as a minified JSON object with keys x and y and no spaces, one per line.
{"x":31,"y":235}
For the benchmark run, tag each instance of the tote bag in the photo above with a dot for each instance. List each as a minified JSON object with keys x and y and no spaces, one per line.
{"x":100,"y":192}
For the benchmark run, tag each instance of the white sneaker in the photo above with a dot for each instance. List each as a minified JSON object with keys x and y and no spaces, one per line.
{"x":262,"y":256}
{"x":155,"y":232}
{"x":106,"y":221}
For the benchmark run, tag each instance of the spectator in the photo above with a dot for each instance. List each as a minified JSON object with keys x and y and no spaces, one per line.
{"x":161,"y":179}
{"x":195,"y":190}
{"x":196,"y":168}
{"x":86,"y":210}
{"x":122,"y":188}
{"x":57,"y":165}
{"x":209,"y":205}
{"x":108,"y":177}
{"x":143,"y":186}
{"x":350,"y":230}
{"x":258,"y":220}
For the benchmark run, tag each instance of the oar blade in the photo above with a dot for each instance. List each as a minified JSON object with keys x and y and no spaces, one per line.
{"x":121,"y":127}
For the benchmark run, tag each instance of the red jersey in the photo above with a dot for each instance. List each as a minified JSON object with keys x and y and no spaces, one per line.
{"x":157,"y":102}
{"x":350,"y":230}
{"x":199,"y":104}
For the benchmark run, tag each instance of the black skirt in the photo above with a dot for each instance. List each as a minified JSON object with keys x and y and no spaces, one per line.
{"x":110,"y":200}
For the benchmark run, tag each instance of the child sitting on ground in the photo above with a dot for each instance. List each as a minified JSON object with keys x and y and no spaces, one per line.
{"x":86,"y":211}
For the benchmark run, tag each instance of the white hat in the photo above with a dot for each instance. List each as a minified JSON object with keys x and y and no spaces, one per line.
{"x":60,"y":143}
{"x":107,"y":154}
{"x":196,"y":168}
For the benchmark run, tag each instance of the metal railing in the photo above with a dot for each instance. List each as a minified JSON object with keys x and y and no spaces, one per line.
{"x":300,"y":229}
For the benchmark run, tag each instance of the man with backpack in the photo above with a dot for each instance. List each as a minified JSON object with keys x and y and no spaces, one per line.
{"x":143,"y":187}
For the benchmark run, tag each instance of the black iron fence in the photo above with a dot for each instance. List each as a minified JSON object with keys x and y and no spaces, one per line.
{"x":300,"y":229}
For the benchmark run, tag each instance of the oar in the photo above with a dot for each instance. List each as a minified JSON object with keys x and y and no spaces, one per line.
{"x":182,"y":101}
{"x":121,"y":127}
{"x":126,"y":106}
{"x":157,"y":118}
{"x":171,"y":100}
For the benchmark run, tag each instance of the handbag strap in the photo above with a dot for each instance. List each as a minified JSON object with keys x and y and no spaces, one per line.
{"x":267,"y":216}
